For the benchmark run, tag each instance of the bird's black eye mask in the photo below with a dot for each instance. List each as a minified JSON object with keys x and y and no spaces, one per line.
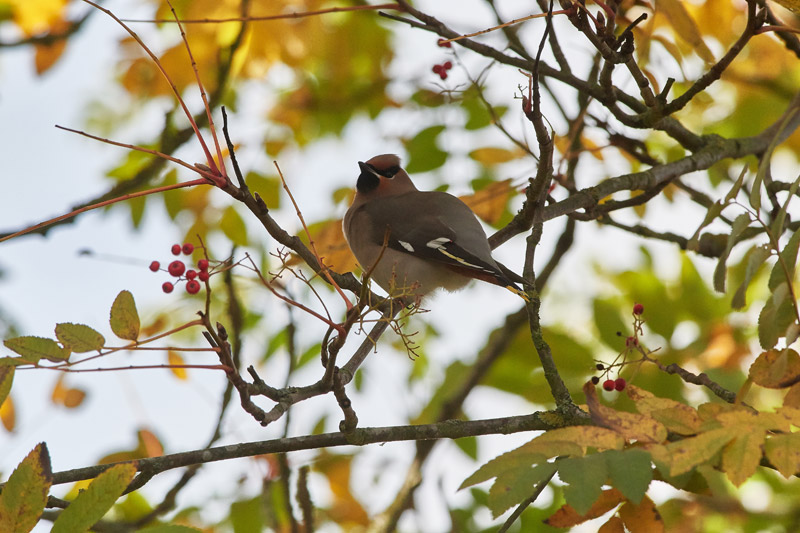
{"x":369,"y":179}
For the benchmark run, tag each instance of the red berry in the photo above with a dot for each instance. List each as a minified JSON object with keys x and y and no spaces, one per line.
{"x":187,"y":248}
{"x":443,"y":74}
{"x":638,"y":309}
{"x":444,"y":44}
{"x":631,"y":341}
{"x":167,"y":287}
{"x":176,"y":268}
{"x":447,"y":65}
{"x":437,"y":69}
{"x":619,"y":384}
{"x":176,"y":249}
{"x":191,"y":274}
{"x":193,"y":286}
{"x":608,"y":385}
{"x":202,"y":264}
{"x":203,"y":275}
{"x":154,"y":266}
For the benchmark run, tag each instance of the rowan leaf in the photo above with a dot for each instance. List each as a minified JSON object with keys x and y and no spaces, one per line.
{"x":32,"y":349}
{"x":685,"y":26}
{"x":776,"y":317}
{"x":124,"y":317}
{"x":585,"y":477}
{"x":93,"y":502}
{"x":630,"y":471}
{"x":6,"y":379}
{"x":24,"y":495}
{"x":740,"y":223}
{"x":79,"y":338}
{"x":490,"y":202}
{"x":788,"y":259}
{"x":783,"y":451}
{"x":687,"y":454}
{"x":423,"y":153}
{"x":776,"y":369}
{"x":489,"y":156}
{"x":756,"y":257}
{"x":631,"y":426}
{"x":741,"y":457}
{"x":566,"y":516}
{"x":642,"y":517}
{"x":174,"y":358}
{"x":613,"y":525}
{"x":513,"y":486}
{"x":233,"y":226}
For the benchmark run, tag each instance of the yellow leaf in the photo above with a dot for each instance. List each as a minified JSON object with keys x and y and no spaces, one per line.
{"x":331,"y":246}
{"x":677,"y":417}
{"x":642,"y":517}
{"x":783,"y":451}
{"x":776,"y":369}
{"x":36,"y":16}
{"x":492,"y":156}
{"x":685,"y":26}
{"x":566,"y":516}
{"x":7,"y":414}
{"x":584,"y":436}
{"x":689,"y":453}
{"x":791,"y":5}
{"x":490,"y":202}
{"x":740,"y":457}
{"x":174,"y":358}
{"x":73,"y":398}
{"x":792,"y":398}
{"x":641,"y":428}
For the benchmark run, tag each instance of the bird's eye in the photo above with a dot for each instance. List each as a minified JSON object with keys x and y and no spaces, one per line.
{"x":389,"y":172}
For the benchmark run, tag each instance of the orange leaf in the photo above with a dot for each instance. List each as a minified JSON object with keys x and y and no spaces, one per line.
{"x":614,"y":525}
{"x":48,"y":54}
{"x":567,"y":517}
{"x":7,"y":414}
{"x":490,"y":202}
{"x":642,"y":517}
{"x":174,"y":358}
{"x":73,"y":398}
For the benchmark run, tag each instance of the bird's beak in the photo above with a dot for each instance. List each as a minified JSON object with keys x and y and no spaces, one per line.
{"x":365,"y":168}
{"x":368,"y":180}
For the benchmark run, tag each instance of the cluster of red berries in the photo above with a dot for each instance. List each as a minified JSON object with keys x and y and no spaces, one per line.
{"x":442,"y":69}
{"x":177,"y":269}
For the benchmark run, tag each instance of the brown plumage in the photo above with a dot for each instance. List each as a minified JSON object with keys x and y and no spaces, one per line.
{"x":434,"y":239}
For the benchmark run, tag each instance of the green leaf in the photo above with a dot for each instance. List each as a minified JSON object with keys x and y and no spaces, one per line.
{"x":233,"y":226}
{"x":512,"y":487}
{"x":609,"y":322}
{"x":585,"y":477}
{"x":124,"y":318}
{"x":713,"y":212}
{"x":739,"y":225}
{"x":35,"y":348}
{"x":755,"y":258}
{"x":6,"y":379}
{"x":268,"y":187}
{"x":248,"y":516}
{"x":79,"y":338}
{"x":25,"y":493}
{"x":170,"y":528}
{"x":95,"y":501}
{"x":777,"y":225}
{"x":775,"y":317}
{"x":788,"y":256}
{"x":423,"y":153}
{"x":630,"y":472}
{"x":468,"y":445}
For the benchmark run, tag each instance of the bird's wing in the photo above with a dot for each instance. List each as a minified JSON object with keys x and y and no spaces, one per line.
{"x":422,"y":224}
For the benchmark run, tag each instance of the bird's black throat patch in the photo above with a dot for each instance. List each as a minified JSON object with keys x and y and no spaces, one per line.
{"x":367,"y":181}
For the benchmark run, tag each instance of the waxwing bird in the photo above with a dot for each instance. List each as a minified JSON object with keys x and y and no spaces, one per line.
{"x":417,"y":241}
